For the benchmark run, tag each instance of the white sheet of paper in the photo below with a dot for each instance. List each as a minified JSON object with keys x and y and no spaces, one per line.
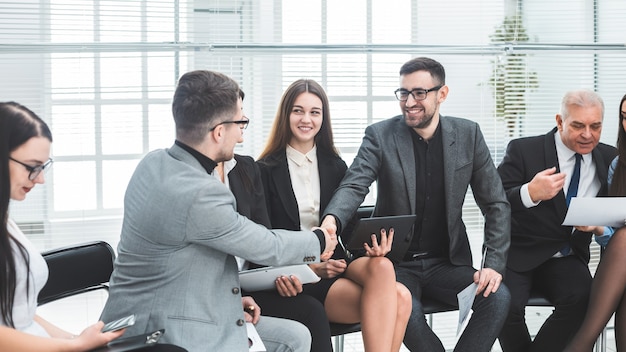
{"x":598,"y":211}
{"x":254,"y":340}
{"x":466,"y":300}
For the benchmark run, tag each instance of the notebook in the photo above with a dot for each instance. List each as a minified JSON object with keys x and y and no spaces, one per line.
{"x":403,"y":233}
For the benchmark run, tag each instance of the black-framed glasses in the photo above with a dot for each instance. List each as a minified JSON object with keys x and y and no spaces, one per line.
{"x":417,"y":93}
{"x":243,"y":123}
{"x":34,"y":171}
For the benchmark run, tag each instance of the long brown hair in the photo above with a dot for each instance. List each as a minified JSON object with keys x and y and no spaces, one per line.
{"x":618,"y":183}
{"x":281,"y":134}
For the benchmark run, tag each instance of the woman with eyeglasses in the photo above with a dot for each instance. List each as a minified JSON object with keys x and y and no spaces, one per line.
{"x":24,"y":156}
{"x":301,"y":168}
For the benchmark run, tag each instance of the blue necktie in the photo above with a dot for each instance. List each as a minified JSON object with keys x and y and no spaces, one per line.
{"x":572,"y":191}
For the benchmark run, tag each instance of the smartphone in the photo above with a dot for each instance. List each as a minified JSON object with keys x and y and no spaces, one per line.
{"x":119,"y":323}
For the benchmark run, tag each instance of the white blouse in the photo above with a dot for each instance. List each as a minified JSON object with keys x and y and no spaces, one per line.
{"x":25,"y":303}
{"x":305,"y":180}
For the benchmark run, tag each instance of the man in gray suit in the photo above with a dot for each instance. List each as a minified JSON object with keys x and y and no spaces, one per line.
{"x":176,"y":267}
{"x":423,"y":164}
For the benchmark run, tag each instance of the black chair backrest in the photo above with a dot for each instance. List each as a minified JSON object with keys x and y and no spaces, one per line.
{"x":77,"y":269}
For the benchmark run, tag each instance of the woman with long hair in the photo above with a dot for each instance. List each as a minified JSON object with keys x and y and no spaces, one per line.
{"x":25,"y":142}
{"x":301,"y":168}
{"x":608,"y":289}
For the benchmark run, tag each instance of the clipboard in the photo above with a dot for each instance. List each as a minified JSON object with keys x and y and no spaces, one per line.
{"x":264,"y":278}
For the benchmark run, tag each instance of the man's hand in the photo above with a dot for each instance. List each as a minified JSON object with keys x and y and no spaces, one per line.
{"x":546,"y":184}
{"x":252,"y":311}
{"x":330,"y":268}
{"x":488,"y":280}
{"x":288,"y":286}
{"x":330,"y":234}
{"x":596,"y":230}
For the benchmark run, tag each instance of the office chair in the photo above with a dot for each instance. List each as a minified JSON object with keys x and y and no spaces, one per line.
{"x":82,"y":268}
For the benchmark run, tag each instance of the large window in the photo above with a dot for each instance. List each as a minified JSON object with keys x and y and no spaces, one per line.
{"x":102,"y":74}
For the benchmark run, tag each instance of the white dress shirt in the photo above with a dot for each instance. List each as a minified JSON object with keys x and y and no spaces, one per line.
{"x":305,"y":180}
{"x":588,"y":186}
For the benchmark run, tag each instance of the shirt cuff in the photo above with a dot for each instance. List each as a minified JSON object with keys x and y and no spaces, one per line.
{"x":603,"y":239}
{"x":525,"y":195}
{"x":320,"y":236}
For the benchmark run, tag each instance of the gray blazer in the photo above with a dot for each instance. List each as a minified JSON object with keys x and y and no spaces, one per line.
{"x":175,"y":267}
{"x":386,"y":156}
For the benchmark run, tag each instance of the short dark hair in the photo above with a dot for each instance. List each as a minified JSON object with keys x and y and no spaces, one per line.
{"x":202,"y":100}
{"x":435,"y":69}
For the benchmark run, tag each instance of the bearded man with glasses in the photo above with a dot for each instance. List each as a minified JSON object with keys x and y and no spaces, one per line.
{"x":423,"y":164}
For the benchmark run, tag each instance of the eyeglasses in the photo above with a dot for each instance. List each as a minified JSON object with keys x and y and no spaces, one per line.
{"x":34,"y":171}
{"x":417,"y":93}
{"x":243,"y":123}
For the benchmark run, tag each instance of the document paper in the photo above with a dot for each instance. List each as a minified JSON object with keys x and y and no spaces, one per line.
{"x":598,"y":211}
{"x":466,"y":301}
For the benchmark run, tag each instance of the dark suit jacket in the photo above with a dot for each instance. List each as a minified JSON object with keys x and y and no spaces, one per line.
{"x":387,"y":157}
{"x":247,"y":187}
{"x":282,"y":206}
{"x":536,"y":232}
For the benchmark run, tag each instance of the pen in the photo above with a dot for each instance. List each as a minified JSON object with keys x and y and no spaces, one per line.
{"x":482,"y":261}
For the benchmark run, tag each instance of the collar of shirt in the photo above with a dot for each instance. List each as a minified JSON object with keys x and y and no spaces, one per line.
{"x":229,"y":165}
{"x":566,"y":156}
{"x":204,"y":160}
{"x":299,"y":158}
{"x":589,"y":184}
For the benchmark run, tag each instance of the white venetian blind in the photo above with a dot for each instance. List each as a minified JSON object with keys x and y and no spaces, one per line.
{"x":102,"y":74}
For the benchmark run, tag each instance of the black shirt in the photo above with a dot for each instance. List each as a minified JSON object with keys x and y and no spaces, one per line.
{"x":204,"y":160}
{"x":431,"y":228}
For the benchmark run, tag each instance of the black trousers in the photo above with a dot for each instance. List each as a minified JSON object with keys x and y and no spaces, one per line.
{"x":566,"y":282}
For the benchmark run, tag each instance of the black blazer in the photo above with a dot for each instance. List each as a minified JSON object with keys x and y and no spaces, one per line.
{"x":247,"y":187}
{"x":536,"y":232}
{"x":282,"y":206}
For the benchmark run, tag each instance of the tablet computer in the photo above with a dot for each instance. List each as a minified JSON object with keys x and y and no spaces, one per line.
{"x":402,"y":234}
{"x":265,"y":278}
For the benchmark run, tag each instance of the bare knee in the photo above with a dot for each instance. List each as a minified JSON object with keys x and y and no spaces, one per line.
{"x":405,"y":302}
{"x":381,"y":266}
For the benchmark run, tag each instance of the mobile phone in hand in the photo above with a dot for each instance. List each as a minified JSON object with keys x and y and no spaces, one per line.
{"x":119,"y":323}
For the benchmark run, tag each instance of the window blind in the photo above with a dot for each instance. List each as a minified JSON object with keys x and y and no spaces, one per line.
{"x":102,"y":74}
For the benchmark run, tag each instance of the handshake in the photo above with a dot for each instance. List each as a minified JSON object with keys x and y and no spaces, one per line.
{"x":329,"y":227}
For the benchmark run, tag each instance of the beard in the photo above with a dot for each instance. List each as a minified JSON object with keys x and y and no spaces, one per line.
{"x":418,"y":123}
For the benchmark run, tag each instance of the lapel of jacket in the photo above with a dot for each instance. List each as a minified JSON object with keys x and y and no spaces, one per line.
{"x":602,"y":171}
{"x":242,"y":195}
{"x":552,"y":160}
{"x":406,"y":156}
{"x":284,"y":188}
{"x":326,"y":173}
{"x":450,"y":153}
